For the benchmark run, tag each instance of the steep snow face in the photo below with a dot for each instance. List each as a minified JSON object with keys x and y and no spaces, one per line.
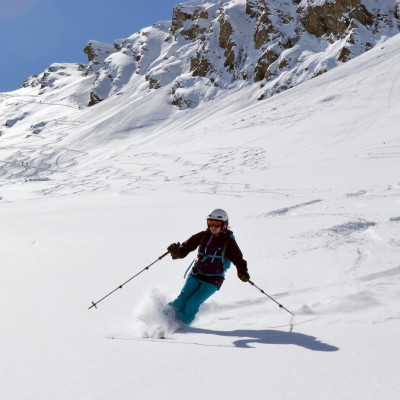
{"x":213,"y":46}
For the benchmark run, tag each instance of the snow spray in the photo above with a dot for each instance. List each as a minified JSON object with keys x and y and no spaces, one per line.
{"x":157,"y":318}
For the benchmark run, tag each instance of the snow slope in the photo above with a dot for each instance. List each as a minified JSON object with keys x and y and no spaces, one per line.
{"x":310,"y":180}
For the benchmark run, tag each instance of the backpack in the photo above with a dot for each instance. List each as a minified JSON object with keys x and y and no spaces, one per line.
{"x":226,"y":263}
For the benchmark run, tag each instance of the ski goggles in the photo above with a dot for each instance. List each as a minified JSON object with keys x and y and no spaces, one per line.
{"x":212,"y":223}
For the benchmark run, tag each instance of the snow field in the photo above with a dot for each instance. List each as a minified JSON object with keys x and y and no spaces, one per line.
{"x":310,"y":181}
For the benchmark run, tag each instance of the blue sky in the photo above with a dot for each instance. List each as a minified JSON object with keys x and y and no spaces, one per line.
{"x":37,"y":33}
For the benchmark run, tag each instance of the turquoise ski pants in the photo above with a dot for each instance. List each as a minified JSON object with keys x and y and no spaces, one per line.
{"x":194,"y":293}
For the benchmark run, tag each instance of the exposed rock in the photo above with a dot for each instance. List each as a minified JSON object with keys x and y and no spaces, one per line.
{"x":198,"y":18}
{"x":264,"y":28}
{"x":178,"y":98}
{"x":199,"y":25}
{"x":178,"y":18}
{"x":54,"y":75}
{"x":94,"y":99}
{"x":226,"y":42}
{"x":90,"y":51}
{"x":345,"y":54}
{"x":181,"y":103}
{"x":264,"y":62}
{"x":200,"y":65}
{"x":32,"y":81}
{"x":98,"y":51}
{"x":153,"y":83}
{"x":333,"y":17}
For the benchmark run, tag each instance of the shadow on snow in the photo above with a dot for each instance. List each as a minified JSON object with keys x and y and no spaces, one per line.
{"x":245,"y":337}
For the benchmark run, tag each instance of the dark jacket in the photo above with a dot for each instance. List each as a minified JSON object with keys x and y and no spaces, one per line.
{"x":212,"y":252}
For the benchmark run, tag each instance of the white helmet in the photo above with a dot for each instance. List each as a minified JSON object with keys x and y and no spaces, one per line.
{"x":218,"y":214}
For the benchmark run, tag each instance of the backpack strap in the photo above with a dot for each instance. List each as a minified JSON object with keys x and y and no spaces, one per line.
{"x":224,"y":247}
{"x":188,"y":268}
{"x":203,"y":240}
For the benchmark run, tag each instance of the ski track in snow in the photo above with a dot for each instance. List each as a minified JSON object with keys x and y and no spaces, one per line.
{"x":149,"y":168}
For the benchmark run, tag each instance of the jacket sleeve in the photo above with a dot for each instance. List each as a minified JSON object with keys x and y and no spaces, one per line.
{"x":235,"y":255}
{"x":191,"y":244}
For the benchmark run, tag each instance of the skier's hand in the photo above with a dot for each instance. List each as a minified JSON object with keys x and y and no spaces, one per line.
{"x":243,"y":276}
{"x":174,"y":250}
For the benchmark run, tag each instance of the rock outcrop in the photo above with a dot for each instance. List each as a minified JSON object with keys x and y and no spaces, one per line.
{"x":211,"y":46}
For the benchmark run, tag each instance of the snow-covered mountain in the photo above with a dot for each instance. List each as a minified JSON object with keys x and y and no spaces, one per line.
{"x":90,"y":195}
{"x":212,"y":46}
{"x":210,"y":51}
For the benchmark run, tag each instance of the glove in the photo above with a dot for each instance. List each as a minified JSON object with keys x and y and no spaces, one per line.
{"x":243,"y":276}
{"x":174,"y":250}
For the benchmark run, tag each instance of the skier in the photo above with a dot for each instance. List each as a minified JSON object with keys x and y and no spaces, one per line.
{"x":217,"y":248}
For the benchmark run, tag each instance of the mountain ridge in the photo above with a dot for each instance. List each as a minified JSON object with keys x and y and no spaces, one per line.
{"x":211,"y":46}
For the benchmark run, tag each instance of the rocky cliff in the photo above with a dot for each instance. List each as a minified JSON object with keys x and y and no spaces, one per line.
{"x":212,"y":46}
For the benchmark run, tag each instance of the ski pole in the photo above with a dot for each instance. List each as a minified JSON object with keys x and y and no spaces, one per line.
{"x":94,"y":304}
{"x":262,"y":291}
